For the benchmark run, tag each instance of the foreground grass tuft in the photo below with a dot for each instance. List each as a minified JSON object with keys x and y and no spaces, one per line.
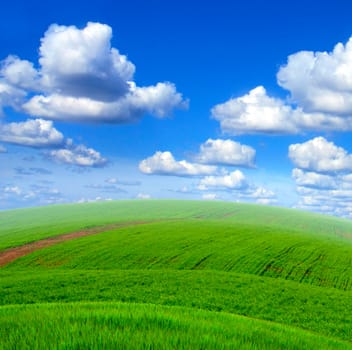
{"x":144,"y":326}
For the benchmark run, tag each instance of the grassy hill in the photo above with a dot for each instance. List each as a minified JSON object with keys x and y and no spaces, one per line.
{"x":247,"y":276}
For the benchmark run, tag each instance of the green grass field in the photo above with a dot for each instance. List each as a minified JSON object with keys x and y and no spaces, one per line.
{"x":182,"y":275}
{"x":135,"y":326}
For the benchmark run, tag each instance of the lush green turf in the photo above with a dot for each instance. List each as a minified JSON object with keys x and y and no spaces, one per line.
{"x":207,"y":245}
{"x":322,"y":310}
{"x":327,"y":311}
{"x":135,"y":326}
{"x":27,"y":225}
{"x":274,"y":264}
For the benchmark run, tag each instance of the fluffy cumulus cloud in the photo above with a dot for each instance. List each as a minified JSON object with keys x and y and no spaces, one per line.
{"x":258,"y":113}
{"x":33,"y":133}
{"x":313,"y":179}
{"x":82,"y":78}
{"x":159,"y":100}
{"x":81,"y":62}
{"x":19,"y":74}
{"x":10,"y":96}
{"x":164,"y":163}
{"x":237,"y":185}
{"x":320,"y":81}
{"x":323,"y":176}
{"x":226,"y":152}
{"x":320,"y":87}
{"x":320,"y":155}
{"x":255,"y":112}
{"x":235,"y":180}
{"x":40,"y":133}
{"x":79,"y":155}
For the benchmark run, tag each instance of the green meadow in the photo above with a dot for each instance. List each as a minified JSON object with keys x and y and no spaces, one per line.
{"x":180,"y":275}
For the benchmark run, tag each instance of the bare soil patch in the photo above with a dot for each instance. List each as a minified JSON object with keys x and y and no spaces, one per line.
{"x":12,"y":254}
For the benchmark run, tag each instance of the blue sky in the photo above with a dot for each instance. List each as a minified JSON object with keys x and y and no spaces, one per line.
{"x":236,"y":101}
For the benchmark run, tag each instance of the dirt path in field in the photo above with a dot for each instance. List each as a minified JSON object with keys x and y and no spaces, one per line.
{"x":12,"y":254}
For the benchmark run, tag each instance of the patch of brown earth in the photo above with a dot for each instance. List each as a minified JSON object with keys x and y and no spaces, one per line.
{"x":12,"y":254}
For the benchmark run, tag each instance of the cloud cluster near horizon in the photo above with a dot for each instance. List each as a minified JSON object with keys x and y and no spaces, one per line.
{"x":323,"y":176}
{"x":320,"y":100}
{"x":207,"y":167}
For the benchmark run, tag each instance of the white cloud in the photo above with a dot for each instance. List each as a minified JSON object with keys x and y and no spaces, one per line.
{"x":333,"y":202}
{"x":266,"y":201}
{"x":37,"y":194}
{"x":19,"y":73}
{"x":143,"y":196}
{"x":226,"y":152}
{"x":320,"y":81}
{"x":164,"y":163}
{"x":81,"y":62}
{"x":320,"y":84}
{"x":40,"y":133}
{"x":92,"y":200}
{"x":78,"y":155}
{"x":323,"y":179}
{"x":115,"y":181}
{"x":319,"y":155}
{"x":209,"y":196}
{"x":112,"y":181}
{"x":184,"y":189}
{"x":312,"y":179}
{"x":12,"y":190}
{"x":258,"y":113}
{"x":255,"y":112}
{"x":237,"y":185}
{"x":44,"y":194}
{"x":10,"y":96}
{"x":158,"y":100}
{"x":259,"y":194}
{"x":32,"y":133}
{"x":15,"y":76}
{"x":82,"y":78}
{"x":328,"y":200}
{"x":234,"y":181}
{"x":262,"y":193}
